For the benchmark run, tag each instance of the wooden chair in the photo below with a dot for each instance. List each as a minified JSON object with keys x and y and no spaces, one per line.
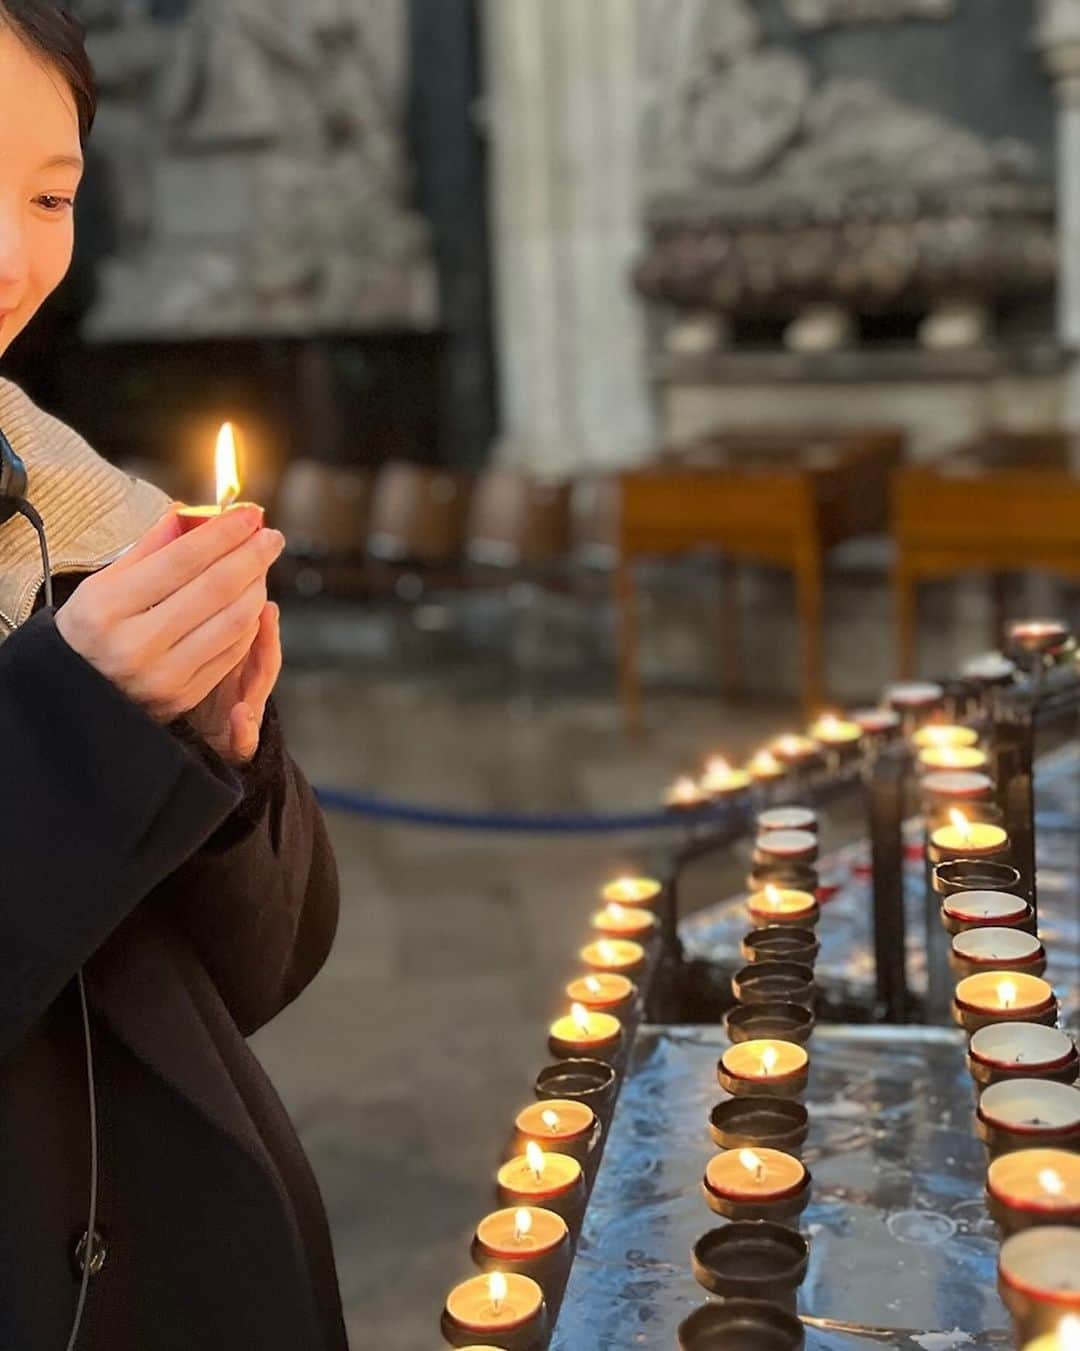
{"x":517,"y":524}
{"x":418,"y":516}
{"x":323,"y":510}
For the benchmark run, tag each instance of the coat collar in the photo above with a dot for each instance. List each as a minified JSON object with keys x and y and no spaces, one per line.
{"x":92,"y":511}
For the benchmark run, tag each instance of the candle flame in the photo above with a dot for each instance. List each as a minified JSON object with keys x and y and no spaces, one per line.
{"x":1068,"y":1332}
{"x":580,"y":1015}
{"x":774,"y":896}
{"x":523,"y":1223}
{"x":497,"y":1289}
{"x":961,"y":824}
{"x":550,"y":1119}
{"x":684,"y":790}
{"x":535,"y":1156}
{"x":765,"y":762}
{"x":753,"y":1163}
{"x":1051,"y":1182}
{"x":769,"y":1059}
{"x":228,"y":472}
{"x":717,"y":769}
{"x":616,"y":911}
{"x":1006,"y":993}
{"x":606,"y":951}
{"x":593,"y":985}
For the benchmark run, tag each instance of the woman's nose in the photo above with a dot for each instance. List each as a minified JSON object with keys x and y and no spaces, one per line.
{"x":14,"y":256}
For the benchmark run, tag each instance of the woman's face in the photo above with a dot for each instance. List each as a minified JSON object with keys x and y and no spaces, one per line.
{"x":40,"y":169}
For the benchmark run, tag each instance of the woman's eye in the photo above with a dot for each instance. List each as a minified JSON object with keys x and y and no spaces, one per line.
{"x":54,"y":203}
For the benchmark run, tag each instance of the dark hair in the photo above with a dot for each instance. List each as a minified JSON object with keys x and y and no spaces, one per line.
{"x":53,"y":33}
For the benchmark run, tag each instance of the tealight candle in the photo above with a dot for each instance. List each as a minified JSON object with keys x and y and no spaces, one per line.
{"x":228,"y":484}
{"x":620,"y":922}
{"x":564,"y":1125}
{"x":685,"y":795}
{"x":528,"y":1240}
{"x":835,"y":733}
{"x":1038,"y":636}
{"x":786,"y":846}
{"x":1039,"y":1278}
{"x":963,"y":838}
{"x":614,"y":954}
{"x":795,"y":750}
{"x":720,"y":780}
{"x":1034,"y":1186}
{"x":778,"y":1069}
{"x":764,"y":767}
{"x":953,"y":757}
{"x":507,"y":1306}
{"x":957,"y":785}
{"x":1025,"y":1113}
{"x":914,"y":696}
{"x":604,"y":992}
{"x":940,"y":734}
{"x":756,"y":1184}
{"x":964,"y":911}
{"x":782,"y":905}
{"x":1065,"y":1337}
{"x":632,"y":891}
{"x":992,"y":949}
{"x":1003,"y":1051}
{"x":1003,"y":996}
{"x":585,"y":1032}
{"x":877,"y":722}
{"x":787,"y":818}
{"x":553,"y":1181}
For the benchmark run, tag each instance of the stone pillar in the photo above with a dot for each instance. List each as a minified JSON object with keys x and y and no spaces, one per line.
{"x":563,"y":88}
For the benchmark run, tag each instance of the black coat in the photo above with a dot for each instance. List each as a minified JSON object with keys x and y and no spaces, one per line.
{"x":201,"y":902}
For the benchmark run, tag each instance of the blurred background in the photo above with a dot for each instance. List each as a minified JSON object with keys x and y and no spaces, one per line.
{"x":633,"y":378}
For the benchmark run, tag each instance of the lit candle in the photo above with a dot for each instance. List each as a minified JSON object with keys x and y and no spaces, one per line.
{"x":777,"y":1069}
{"x":605,"y":992}
{"x":787,"y":818}
{"x":1003,"y":996}
{"x":953,"y":757}
{"x":836,"y":733}
{"x":631,"y":891}
{"x":617,"y":921}
{"x":614,"y":954}
{"x":528,"y":1240}
{"x":1034,"y":1186}
{"x":1039,"y":1277}
{"x":963,"y":838}
{"x":228,"y":483}
{"x":553,"y":1181}
{"x":585,"y":1032}
{"x":795,"y":750}
{"x":944,"y":735}
{"x":1003,"y":1051}
{"x":507,"y":1305}
{"x":993,"y":949}
{"x":765,"y":767}
{"x":1065,"y":1337}
{"x":783,"y":905}
{"x":979,"y":909}
{"x":720,"y":780}
{"x":685,"y":795}
{"x":564,"y":1125}
{"x":1026,"y":1113}
{"x":756,"y":1184}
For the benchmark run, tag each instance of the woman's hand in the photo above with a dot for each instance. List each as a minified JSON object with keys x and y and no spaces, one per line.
{"x":230,"y":717}
{"x":172,"y":618}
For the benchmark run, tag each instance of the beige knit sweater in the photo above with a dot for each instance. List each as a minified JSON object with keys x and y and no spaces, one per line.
{"x":92,"y":511}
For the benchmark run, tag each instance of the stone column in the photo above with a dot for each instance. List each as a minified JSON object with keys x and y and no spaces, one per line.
{"x":563,"y":88}
{"x":1059,"y":37}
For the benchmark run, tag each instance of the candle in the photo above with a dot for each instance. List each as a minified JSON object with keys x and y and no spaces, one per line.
{"x":685,"y":795}
{"x":961,"y":785}
{"x":720,"y":780}
{"x":969,"y":910}
{"x":1023,"y":1113}
{"x":228,"y":483}
{"x":914,"y":696}
{"x":528,"y":1240}
{"x":508,"y":1305}
{"x":1065,"y":1337}
{"x":619,"y":922}
{"x":585,"y":1032}
{"x":1002,"y":1051}
{"x":795,"y":750}
{"x":631,"y":891}
{"x":836,"y":733}
{"x":1034,"y":1186}
{"x":953,"y":757}
{"x":783,"y":905}
{"x":989,"y":668}
{"x":614,"y":954}
{"x":605,"y":991}
{"x":564,"y":1125}
{"x":551,"y":1180}
{"x":756,"y":1184}
{"x":772,"y":1068}
{"x":1038,"y":636}
{"x":876,"y":721}
{"x":939,"y":734}
{"x":787,"y":818}
{"x":963,"y":838}
{"x":992,"y":949}
{"x":1003,"y":996}
{"x":765,"y":767}
{"x":1039,"y":1278}
{"x":786,"y":846}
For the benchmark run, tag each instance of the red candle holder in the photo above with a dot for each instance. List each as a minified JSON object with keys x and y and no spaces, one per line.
{"x":1028,"y":1188}
{"x":996,"y":949}
{"x":1028,"y":1114}
{"x":1037,"y":1279}
{"x":516,"y":1322}
{"x":734,"y":1180}
{"x":530,"y":1241}
{"x":1006,"y":1051}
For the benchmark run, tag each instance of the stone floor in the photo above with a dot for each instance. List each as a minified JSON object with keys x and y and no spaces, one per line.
{"x":404,"y":1063}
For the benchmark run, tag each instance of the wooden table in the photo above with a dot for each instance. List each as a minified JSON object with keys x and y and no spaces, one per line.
{"x":999,"y":505}
{"x":780,"y":496}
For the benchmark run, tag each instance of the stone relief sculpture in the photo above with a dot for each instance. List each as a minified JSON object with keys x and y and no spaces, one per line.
{"x":823,"y":13}
{"x":279,"y":176}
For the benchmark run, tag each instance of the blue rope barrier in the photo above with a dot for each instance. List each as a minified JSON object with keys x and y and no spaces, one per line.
{"x":553,"y":823}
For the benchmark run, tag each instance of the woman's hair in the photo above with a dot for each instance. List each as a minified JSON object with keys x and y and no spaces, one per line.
{"x":52,"y":32}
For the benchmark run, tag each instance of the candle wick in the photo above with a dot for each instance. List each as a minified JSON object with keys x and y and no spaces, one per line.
{"x":759,"y":1173}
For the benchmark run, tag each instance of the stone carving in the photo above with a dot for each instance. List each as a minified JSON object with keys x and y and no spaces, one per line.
{"x":741,"y":121}
{"x":280,"y":180}
{"x":824,"y":13}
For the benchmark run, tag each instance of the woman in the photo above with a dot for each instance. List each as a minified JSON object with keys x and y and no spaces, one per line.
{"x":155,"y":835}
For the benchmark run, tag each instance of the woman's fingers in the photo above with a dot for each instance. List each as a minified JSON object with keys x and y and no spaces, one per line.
{"x":263,"y":666}
{"x":157,"y":537}
{"x":206,"y":679}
